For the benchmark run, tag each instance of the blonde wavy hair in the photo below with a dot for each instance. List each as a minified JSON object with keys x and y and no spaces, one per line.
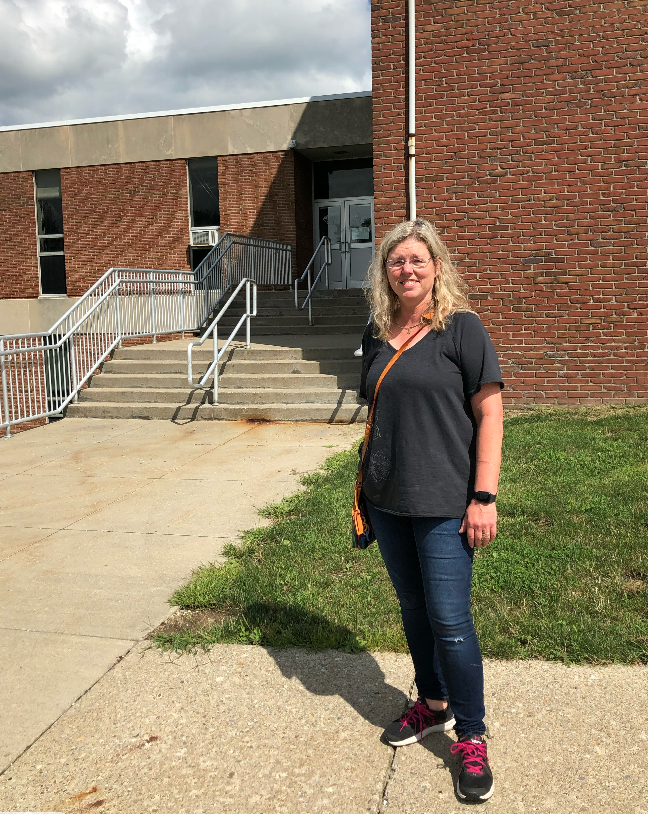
{"x":448,"y":293}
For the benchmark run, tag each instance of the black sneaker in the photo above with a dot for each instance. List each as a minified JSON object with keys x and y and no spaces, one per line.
{"x":416,"y":723}
{"x":475,"y":783}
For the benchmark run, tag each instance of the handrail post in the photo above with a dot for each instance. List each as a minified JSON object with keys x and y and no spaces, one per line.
{"x":327,"y":258}
{"x":73,"y":370}
{"x":153,"y":314}
{"x":5,"y":398}
{"x":310,"y":299}
{"x":247,"y":313}
{"x":46,"y":382}
{"x":182,"y":310}
{"x":118,"y":308}
{"x":215,"y":398}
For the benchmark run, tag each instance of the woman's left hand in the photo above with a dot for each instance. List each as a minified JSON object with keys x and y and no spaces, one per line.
{"x":480,"y":524}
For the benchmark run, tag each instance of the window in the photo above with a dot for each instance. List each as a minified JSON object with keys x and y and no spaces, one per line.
{"x":343,"y":179}
{"x":203,"y":192}
{"x":49,"y":226}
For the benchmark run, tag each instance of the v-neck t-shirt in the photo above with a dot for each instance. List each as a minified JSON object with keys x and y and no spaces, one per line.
{"x":421,"y":456}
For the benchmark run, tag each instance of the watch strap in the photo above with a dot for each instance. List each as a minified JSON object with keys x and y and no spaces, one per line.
{"x":484,"y":497}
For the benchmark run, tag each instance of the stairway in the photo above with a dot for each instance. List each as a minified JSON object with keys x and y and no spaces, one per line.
{"x":292,"y":372}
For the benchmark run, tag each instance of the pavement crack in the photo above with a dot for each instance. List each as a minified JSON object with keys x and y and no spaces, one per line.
{"x":118,"y":660}
{"x":68,"y":633}
{"x":391,"y":768}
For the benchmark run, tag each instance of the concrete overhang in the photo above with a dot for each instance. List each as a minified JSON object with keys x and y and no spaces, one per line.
{"x":321,"y":127}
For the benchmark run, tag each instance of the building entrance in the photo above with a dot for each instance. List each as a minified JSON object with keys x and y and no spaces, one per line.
{"x":349,"y":223}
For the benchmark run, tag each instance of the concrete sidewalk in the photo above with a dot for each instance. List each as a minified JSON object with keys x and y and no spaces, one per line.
{"x":100,"y":520}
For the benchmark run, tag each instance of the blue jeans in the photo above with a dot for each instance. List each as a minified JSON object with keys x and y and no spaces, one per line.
{"x":430,"y":566}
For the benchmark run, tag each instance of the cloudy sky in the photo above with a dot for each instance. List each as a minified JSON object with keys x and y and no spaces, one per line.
{"x":67,"y":59}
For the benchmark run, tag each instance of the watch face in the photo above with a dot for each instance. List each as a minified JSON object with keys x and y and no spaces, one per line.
{"x":485,"y":497}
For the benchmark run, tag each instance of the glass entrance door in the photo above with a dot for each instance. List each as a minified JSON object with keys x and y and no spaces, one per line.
{"x":349,"y":224}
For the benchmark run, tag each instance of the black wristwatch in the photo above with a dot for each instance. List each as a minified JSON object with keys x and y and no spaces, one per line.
{"x":484,"y":497}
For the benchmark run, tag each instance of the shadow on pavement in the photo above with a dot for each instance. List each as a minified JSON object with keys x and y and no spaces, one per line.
{"x":438,"y":744}
{"x":355,"y":677}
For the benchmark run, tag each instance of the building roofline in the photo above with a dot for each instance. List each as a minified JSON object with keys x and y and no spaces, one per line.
{"x":188,"y":111}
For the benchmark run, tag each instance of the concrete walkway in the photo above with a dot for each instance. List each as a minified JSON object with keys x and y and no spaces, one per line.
{"x":100,"y":520}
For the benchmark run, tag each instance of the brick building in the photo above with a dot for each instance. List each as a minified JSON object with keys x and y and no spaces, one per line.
{"x":155,"y":191}
{"x":530,"y":156}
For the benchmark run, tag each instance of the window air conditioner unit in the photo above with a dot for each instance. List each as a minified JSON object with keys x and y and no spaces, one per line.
{"x":204,"y":237}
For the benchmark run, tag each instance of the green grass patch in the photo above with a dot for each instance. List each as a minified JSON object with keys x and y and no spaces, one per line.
{"x":566,"y":579}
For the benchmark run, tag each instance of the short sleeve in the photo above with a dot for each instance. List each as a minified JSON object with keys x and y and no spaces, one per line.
{"x":478,"y":358}
{"x":370,"y":349}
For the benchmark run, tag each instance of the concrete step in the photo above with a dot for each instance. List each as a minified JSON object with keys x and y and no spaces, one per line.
{"x":133,"y":367}
{"x":326,"y":307}
{"x":228,"y":322}
{"x":320,"y":294}
{"x":242,"y":395}
{"x":159,"y":411}
{"x":156,"y":381}
{"x":176,"y":381}
{"x":330,"y":413}
{"x":206,"y":354}
{"x":348,"y":365}
{"x":283,"y":381}
{"x":277,"y":329}
{"x":126,"y":395}
{"x":281,"y":377}
{"x":146,"y":394}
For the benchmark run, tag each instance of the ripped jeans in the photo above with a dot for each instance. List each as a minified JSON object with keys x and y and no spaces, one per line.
{"x":430,"y":566}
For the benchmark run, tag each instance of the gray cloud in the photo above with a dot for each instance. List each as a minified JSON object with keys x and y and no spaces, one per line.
{"x":62,"y":59}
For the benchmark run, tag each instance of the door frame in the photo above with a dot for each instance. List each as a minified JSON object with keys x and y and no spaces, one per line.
{"x":345,"y":242}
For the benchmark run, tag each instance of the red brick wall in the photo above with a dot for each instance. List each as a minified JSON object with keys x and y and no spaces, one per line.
{"x":124,"y":215}
{"x":18,"y":256}
{"x":257,"y":195}
{"x":531,"y":157}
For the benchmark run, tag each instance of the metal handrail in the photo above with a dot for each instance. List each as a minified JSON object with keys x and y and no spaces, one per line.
{"x":213,"y":331}
{"x":41,"y":373}
{"x":326,"y":243}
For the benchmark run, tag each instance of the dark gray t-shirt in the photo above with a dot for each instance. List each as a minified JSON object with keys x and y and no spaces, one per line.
{"x":421,"y":457}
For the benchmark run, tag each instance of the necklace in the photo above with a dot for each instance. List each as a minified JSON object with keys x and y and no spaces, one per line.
{"x":410,"y":328}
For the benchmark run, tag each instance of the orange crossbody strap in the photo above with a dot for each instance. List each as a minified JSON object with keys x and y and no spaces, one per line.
{"x":369,"y":426}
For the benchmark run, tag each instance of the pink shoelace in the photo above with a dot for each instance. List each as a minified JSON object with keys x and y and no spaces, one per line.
{"x":473,"y":755}
{"x":418,"y":716}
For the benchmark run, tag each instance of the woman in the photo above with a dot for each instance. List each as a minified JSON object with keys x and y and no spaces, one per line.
{"x":430,"y":480}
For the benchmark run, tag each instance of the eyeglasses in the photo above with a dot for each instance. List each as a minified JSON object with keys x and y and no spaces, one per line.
{"x":399,"y":265}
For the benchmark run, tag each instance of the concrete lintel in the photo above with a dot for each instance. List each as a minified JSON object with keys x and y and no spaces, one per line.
{"x":311,"y":123}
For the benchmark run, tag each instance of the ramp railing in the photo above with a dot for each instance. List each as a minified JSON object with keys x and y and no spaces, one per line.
{"x":212,"y":330}
{"x":325,"y":246}
{"x":41,"y":373}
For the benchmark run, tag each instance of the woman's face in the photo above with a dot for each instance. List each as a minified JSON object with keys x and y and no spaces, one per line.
{"x":411,"y":271}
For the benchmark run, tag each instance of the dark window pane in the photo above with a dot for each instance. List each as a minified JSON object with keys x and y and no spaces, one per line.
{"x":198,"y":255}
{"x":52,"y":273}
{"x":49,"y":208}
{"x":51,"y":244}
{"x":50,"y":216}
{"x":343,"y":179}
{"x":48,"y":179}
{"x":203,"y":190}
{"x":330,"y":224}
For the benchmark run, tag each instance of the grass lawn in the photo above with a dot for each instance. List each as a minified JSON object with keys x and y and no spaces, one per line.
{"x":566,"y":579}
